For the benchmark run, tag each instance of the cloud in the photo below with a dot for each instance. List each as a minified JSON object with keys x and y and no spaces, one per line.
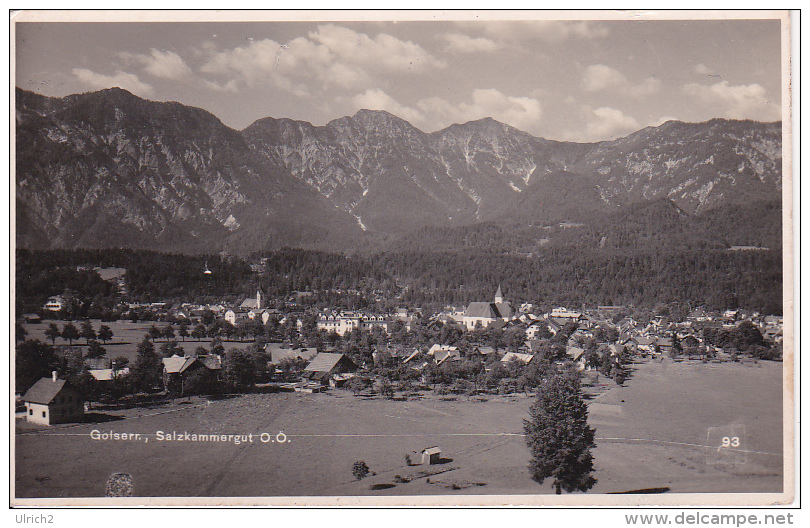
{"x":127,"y":81}
{"x":375,"y":99}
{"x":599,"y":77}
{"x":608,"y":123}
{"x":230,"y":86}
{"x":702,"y":69}
{"x":550,"y":31}
{"x":330,"y":57}
{"x":520,"y":112}
{"x":383,"y":51}
{"x":161,"y":63}
{"x":648,"y":86}
{"x":661,"y":120}
{"x":460,"y":43}
{"x":745,"y":101}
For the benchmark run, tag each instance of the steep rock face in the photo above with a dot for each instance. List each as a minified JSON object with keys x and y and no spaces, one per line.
{"x":103,"y":167}
{"x":493,"y":162}
{"x":109,"y":169}
{"x":373,"y":165}
{"x":699,"y":165}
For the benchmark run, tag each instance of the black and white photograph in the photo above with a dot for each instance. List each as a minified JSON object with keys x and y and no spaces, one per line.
{"x":398,"y":258}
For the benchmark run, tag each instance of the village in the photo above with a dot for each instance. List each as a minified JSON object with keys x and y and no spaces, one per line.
{"x":399,"y":401}
{"x":487,"y":347}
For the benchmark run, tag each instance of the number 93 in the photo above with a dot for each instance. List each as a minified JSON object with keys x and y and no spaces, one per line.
{"x":733,"y":441}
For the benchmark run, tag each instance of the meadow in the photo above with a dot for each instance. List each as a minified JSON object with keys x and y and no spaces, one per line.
{"x":126,"y":336}
{"x":658,"y":432}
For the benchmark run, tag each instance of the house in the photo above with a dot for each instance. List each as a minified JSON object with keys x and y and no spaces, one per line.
{"x":235,"y":315}
{"x":515,"y":356}
{"x":536,"y":327}
{"x":444,"y":353}
{"x":108,"y":374}
{"x":487,"y":313}
{"x":412,"y":357}
{"x":579,"y":336}
{"x":774,"y":334}
{"x":341,"y":324}
{"x":629,"y":343}
{"x":53,"y":400}
{"x":664,"y":344}
{"x":279,"y":352}
{"x":177,"y":369}
{"x":55,"y":303}
{"x":369,"y":322}
{"x":562,"y":315}
{"x":115,"y":276}
{"x":267,"y":314}
{"x":609,"y":312}
{"x":773,"y":320}
{"x":690,"y":341}
{"x":325,"y":366}
{"x":31,"y":318}
{"x":645,"y":344}
{"x":577,"y":355}
{"x":482,"y":353}
{"x":431,"y":455}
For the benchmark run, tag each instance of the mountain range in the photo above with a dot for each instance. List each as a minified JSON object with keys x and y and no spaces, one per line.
{"x":109,"y":169}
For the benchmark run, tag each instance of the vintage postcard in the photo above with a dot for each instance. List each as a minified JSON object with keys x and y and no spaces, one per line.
{"x":384,"y":258}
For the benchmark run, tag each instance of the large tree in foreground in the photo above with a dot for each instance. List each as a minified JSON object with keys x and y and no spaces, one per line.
{"x":559,"y":436}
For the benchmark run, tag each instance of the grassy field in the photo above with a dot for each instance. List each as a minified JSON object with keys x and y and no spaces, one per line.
{"x":651,"y":433}
{"x":126,"y":336}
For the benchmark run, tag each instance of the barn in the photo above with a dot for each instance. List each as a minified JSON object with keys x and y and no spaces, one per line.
{"x":326,"y":366}
{"x":431,"y":455}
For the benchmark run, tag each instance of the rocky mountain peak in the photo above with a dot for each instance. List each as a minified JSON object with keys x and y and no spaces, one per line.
{"x":110,"y":167}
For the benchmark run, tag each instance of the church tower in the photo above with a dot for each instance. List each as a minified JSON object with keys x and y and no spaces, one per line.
{"x":499,"y":295}
{"x":259,"y":299}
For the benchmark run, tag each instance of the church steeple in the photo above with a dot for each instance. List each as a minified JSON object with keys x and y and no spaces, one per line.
{"x":499,"y":295}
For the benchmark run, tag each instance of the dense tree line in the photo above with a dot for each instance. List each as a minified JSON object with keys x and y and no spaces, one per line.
{"x":713,"y":278}
{"x":151,"y":276}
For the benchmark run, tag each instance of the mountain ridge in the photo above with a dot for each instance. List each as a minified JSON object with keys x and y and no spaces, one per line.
{"x":109,"y":166}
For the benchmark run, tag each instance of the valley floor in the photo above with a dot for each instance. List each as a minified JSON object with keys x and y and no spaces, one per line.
{"x":652,"y":433}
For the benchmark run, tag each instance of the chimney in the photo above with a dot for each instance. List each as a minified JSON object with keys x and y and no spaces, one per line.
{"x":53,"y":375}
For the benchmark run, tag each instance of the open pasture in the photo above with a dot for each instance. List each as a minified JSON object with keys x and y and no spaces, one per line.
{"x":126,"y":336}
{"x":651,"y":434}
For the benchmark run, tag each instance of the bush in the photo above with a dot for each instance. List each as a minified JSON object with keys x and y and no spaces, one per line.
{"x":386,"y":389}
{"x":360,"y":470}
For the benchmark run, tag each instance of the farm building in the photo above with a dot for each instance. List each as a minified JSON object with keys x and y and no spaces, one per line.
{"x":177,"y":370}
{"x":443,"y":353}
{"x":577,"y":355}
{"x":279,"y":352}
{"x":53,"y":400}
{"x":431,"y":455}
{"x":31,"y":318}
{"x":516,"y":356}
{"x":325,"y":366}
{"x":108,"y":374}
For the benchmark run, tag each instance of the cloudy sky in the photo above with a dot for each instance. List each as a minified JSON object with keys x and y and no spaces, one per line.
{"x":574,"y":80}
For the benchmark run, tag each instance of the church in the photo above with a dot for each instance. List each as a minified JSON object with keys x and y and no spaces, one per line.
{"x":488,"y":312}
